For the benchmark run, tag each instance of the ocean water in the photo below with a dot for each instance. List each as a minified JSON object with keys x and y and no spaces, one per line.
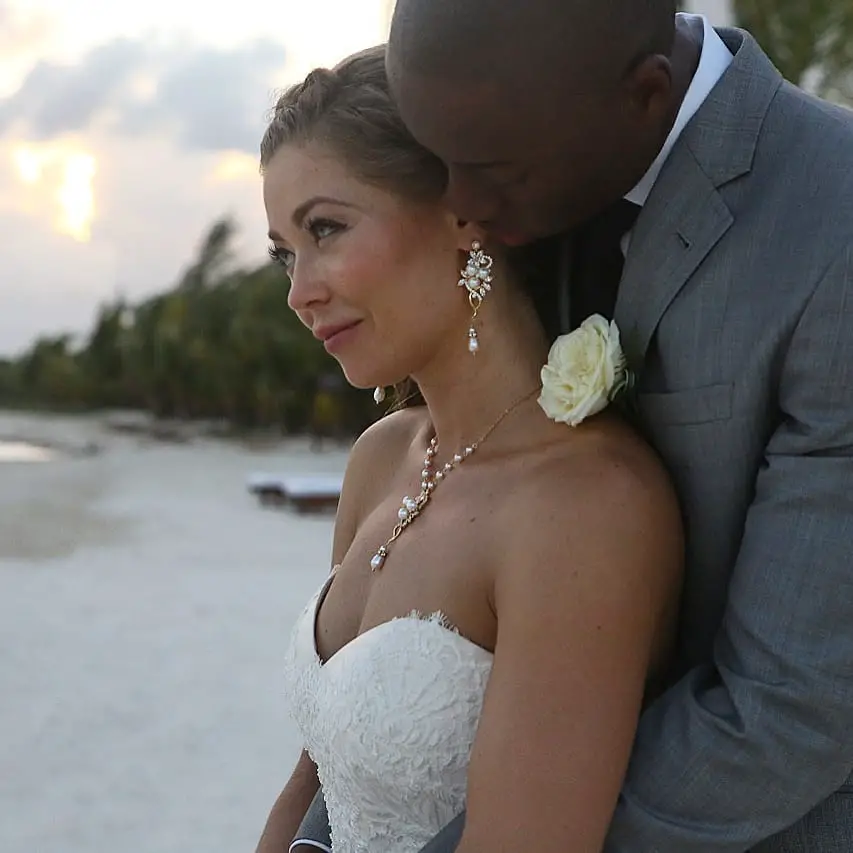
{"x":145,"y":603}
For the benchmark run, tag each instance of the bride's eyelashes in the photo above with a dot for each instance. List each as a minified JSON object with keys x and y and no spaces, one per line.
{"x":282,"y":257}
{"x":320,"y":229}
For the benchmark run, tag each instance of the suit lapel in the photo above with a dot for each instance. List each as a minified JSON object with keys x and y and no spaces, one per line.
{"x":682,"y":221}
{"x":685,"y":215}
{"x":565,"y":277}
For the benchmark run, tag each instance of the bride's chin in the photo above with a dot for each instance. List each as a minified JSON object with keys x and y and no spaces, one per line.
{"x":364,"y":380}
{"x":367,"y":376}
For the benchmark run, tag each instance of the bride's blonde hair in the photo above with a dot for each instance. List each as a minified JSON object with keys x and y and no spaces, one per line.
{"x":349,"y":109}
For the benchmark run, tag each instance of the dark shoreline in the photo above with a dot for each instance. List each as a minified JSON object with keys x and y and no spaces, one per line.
{"x":144,"y":426}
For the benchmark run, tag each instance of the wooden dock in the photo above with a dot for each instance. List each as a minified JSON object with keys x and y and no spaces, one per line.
{"x":302,"y":494}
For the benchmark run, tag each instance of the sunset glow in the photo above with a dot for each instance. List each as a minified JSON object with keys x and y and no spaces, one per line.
{"x":64,"y":177}
{"x":28,"y":165}
{"x":76,"y":197}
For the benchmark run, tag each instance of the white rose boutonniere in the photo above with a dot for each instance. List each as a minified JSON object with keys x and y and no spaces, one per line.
{"x":586,"y":371}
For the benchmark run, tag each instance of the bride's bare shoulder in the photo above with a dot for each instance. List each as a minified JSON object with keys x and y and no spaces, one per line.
{"x":384,"y":443}
{"x":604,"y":491}
{"x":598,"y":458}
{"x":375,"y":457}
{"x":612,"y":455}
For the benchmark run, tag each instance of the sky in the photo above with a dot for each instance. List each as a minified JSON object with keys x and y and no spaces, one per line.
{"x":126,"y":130}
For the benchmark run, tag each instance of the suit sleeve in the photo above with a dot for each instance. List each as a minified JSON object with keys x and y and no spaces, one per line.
{"x":746,"y":746}
{"x":448,"y":839}
{"x":314,"y":831}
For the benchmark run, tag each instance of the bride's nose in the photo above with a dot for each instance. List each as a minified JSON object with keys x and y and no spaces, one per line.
{"x":308,"y":286}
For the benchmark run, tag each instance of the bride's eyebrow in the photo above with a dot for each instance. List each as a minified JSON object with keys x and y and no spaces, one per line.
{"x":305,"y":208}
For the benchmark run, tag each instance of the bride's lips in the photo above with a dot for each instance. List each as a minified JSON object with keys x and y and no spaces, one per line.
{"x":334,"y":337}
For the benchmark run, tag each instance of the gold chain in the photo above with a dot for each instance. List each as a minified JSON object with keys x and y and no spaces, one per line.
{"x":411,"y":508}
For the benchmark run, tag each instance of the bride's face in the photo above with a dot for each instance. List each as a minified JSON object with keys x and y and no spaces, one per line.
{"x":374,"y":276}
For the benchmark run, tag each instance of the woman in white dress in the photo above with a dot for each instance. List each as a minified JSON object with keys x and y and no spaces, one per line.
{"x":505,"y":578}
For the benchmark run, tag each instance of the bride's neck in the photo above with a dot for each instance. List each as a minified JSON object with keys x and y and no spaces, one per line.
{"x":466,"y":393}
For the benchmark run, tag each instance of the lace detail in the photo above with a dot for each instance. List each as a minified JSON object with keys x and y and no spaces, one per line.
{"x":389,"y":720}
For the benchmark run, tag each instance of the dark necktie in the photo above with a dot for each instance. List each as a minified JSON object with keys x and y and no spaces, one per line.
{"x":599,"y":261}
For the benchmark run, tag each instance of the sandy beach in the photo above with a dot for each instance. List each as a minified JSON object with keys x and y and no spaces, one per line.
{"x":145,"y":602}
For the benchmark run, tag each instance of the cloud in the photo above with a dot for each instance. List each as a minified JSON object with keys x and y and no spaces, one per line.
{"x":172,"y":133}
{"x":217,"y":100}
{"x":21,"y":32}
{"x":206,"y":98}
{"x":171,"y":124}
{"x":56,"y":99}
{"x":154,"y":204}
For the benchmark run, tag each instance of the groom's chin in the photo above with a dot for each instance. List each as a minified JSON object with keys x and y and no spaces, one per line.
{"x":514,"y":239}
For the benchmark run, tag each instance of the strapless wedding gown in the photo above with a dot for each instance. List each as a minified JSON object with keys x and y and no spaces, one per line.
{"x":389,"y":720}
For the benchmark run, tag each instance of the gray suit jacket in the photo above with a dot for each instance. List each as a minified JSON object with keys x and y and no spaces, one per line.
{"x":737,"y":305}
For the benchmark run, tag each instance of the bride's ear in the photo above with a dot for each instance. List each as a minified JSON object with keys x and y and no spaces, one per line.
{"x":468,"y":233}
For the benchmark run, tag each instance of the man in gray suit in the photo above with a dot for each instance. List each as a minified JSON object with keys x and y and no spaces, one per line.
{"x":736,"y":305}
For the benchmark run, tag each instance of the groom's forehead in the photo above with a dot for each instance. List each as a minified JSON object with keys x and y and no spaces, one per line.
{"x":482,"y":125}
{"x":527,"y":40}
{"x":440,"y":113}
{"x":465,"y":122}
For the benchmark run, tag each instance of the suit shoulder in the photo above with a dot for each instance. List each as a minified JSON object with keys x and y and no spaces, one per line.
{"x":802,"y":175}
{"x":811,"y":133}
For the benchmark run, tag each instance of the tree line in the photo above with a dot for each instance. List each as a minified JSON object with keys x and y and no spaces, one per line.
{"x":223,"y":343}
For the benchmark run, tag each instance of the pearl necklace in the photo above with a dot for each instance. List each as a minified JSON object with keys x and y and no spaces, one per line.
{"x":411,"y":508}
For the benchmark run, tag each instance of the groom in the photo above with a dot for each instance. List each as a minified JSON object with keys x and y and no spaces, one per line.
{"x":736,"y":300}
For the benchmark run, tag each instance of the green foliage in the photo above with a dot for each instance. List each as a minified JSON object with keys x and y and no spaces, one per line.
{"x":809,"y":41}
{"x":805,"y":37}
{"x":222,"y":344}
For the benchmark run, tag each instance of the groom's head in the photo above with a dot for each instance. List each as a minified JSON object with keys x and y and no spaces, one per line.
{"x":544,"y":111}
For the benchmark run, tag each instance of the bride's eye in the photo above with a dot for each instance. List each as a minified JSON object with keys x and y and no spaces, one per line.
{"x":283,"y":257}
{"x":320,"y":228}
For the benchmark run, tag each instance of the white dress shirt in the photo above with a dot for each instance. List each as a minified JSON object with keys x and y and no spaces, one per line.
{"x":714,"y":59}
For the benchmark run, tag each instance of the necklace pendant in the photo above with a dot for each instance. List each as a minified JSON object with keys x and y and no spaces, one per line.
{"x":378,"y":559}
{"x":410,"y":508}
{"x":407,"y":509}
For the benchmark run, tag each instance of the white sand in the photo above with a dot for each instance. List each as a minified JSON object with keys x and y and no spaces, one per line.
{"x":145,"y":601}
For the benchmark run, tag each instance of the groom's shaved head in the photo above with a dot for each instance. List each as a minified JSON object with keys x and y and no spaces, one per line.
{"x":544,"y":111}
{"x":488,"y":39}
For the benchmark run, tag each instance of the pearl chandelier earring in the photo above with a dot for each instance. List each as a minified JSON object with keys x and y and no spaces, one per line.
{"x":476,"y":278}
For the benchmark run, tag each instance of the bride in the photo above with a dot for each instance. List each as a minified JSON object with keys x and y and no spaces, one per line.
{"x":505,"y":578}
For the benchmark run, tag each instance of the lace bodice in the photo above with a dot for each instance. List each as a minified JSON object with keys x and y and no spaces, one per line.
{"x":389,"y":720}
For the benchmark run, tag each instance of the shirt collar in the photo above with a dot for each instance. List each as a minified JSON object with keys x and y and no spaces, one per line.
{"x":714,"y":59}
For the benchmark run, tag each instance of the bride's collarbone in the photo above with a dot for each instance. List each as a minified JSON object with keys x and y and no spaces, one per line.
{"x":438,"y":566}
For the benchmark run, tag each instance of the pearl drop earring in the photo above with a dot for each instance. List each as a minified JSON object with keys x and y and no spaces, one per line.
{"x":476,"y":278}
